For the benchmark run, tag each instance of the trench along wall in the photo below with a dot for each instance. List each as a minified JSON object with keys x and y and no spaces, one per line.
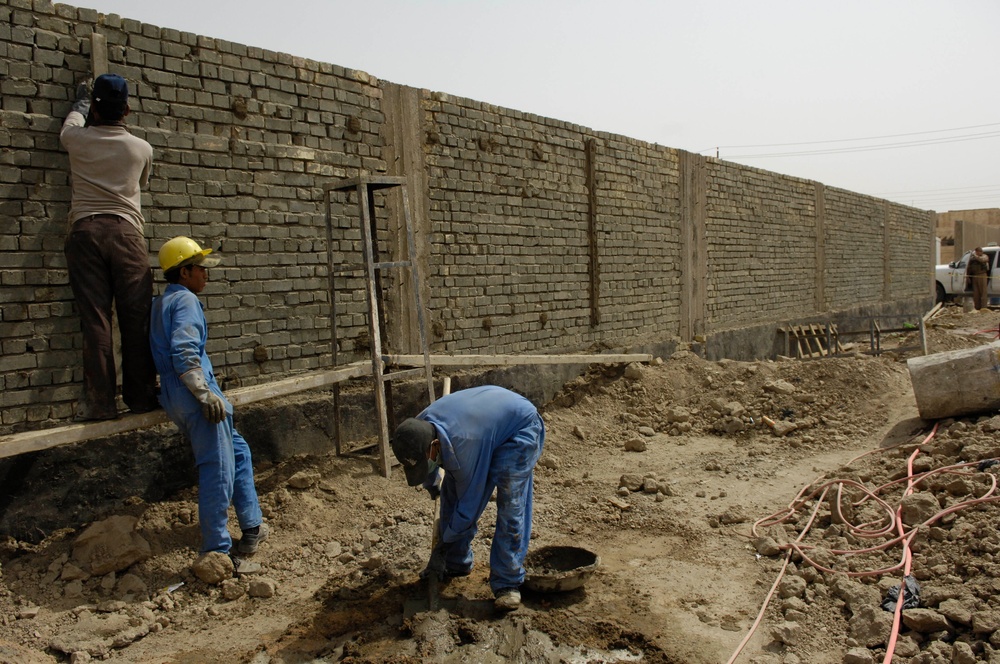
{"x":533,"y":234}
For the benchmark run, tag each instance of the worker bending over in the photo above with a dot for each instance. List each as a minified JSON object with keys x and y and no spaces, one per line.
{"x":484,"y":438}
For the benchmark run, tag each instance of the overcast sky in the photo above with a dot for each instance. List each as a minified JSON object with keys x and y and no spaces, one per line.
{"x":897,"y":99}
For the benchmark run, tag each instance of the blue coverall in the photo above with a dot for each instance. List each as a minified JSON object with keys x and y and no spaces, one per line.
{"x":177,"y":336}
{"x":490,"y":438}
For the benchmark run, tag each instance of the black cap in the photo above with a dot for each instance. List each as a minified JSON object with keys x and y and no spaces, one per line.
{"x":110,"y":96}
{"x":410,"y":443}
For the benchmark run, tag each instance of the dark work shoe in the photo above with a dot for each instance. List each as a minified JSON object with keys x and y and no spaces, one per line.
{"x":252,"y":538}
{"x":507,"y":599}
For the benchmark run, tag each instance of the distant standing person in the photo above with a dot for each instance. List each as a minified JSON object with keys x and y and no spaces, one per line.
{"x":978,"y":271}
{"x":194,"y":401}
{"x":484,"y":437}
{"x":105,"y":251}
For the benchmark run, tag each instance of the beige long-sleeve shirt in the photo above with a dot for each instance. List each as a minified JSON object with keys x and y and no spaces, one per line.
{"x":108,"y":168}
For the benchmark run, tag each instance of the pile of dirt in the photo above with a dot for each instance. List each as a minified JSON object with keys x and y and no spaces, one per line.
{"x":693,"y":480}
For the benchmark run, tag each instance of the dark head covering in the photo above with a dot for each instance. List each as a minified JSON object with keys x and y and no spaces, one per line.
{"x":110,"y":97}
{"x":410,"y":443}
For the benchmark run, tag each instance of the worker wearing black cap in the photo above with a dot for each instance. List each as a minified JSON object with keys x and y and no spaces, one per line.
{"x":106,"y":252}
{"x":484,"y":438}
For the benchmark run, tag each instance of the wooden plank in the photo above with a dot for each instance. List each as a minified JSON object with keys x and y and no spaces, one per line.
{"x":34,"y":441}
{"x":371,"y":181}
{"x":510,"y":360}
{"x":245,"y":395}
{"x":99,"y":56}
{"x":816,"y":334}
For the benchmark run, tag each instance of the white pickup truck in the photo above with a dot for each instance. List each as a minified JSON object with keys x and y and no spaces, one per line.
{"x":951,"y":277}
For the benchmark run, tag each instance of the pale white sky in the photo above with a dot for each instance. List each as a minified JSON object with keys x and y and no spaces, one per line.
{"x":778,"y":76}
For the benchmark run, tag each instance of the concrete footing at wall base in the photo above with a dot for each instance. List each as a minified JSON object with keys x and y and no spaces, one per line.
{"x":757,"y":342}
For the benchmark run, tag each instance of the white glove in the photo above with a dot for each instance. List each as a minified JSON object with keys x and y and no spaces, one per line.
{"x":213,"y":407}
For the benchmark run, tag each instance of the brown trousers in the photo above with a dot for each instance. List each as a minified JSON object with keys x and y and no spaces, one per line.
{"x":980,"y":297}
{"x":107,"y":260}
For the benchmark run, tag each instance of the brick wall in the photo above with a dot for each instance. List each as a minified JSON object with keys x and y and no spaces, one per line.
{"x":536,"y":235}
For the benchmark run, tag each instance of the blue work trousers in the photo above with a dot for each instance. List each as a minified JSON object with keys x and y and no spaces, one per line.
{"x":511,"y":474}
{"x":225,"y":476}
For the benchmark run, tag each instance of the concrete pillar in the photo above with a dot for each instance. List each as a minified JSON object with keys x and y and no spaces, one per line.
{"x":694,"y":249}
{"x":820,"y":304}
{"x":403,"y":136}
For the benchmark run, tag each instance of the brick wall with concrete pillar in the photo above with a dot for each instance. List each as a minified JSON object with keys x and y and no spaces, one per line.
{"x":532,"y":234}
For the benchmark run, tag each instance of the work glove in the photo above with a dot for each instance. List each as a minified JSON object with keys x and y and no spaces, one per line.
{"x":213,"y":407}
{"x":82,"y":103}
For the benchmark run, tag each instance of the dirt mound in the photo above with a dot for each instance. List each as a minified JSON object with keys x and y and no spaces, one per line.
{"x":692,"y":480}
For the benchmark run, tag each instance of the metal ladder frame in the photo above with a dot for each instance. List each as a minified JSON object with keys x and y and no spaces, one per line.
{"x":365,"y":186}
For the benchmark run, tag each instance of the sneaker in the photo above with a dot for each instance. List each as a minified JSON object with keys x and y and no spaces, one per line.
{"x":243,"y":566}
{"x":252,"y":538}
{"x":507,"y":599}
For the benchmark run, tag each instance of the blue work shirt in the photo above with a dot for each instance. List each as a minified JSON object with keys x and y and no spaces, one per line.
{"x":471,"y":424}
{"x":178,"y":333}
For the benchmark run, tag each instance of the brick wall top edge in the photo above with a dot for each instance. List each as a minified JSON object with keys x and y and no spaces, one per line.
{"x":131,"y":25}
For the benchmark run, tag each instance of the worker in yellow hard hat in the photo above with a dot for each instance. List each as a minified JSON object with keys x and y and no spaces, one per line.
{"x":194,"y":401}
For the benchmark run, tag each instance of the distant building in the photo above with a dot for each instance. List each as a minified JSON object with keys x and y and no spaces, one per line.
{"x":945,"y":227}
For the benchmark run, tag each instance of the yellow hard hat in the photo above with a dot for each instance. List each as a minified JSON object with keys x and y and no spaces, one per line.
{"x":182,"y":251}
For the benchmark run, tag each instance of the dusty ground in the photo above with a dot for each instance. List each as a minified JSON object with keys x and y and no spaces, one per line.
{"x":681,"y":578}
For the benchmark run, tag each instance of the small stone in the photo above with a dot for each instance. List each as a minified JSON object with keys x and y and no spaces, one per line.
{"x":766,"y":546}
{"x":374,"y":562}
{"x":73,"y":589}
{"x":649,"y":485}
{"x":664,"y":487}
{"x":779,"y":387}
{"x":870,"y":625}
{"x":784,"y":427}
{"x":620,"y":504}
{"x":955,"y":611}
{"x":232,"y":590}
{"x":631,"y":481}
{"x":111,"y":606}
{"x":649,"y":432}
{"x":130,"y":584}
{"x":925,"y":621}
{"x":789,"y":633}
{"x":71,"y":573}
{"x":792,"y":586}
{"x":304,"y":479}
{"x":80,"y":657}
{"x":263,"y":587}
{"x":961,"y":653}
{"x":549,"y":461}
{"x":635,"y":445}
{"x":213,"y":567}
{"x":27,"y":613}
{"x":578,"y":432}
{"x":633,"y":371}
{"x":859,"y":656}
{"x":918,"y":507}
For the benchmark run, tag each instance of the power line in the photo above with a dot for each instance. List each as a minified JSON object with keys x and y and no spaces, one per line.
{"x":946,"y":189}
{"x":870,"y":148}
{"x":849,"y":140}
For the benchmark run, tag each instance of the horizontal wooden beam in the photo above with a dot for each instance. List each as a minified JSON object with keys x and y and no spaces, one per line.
{"x":510,"y":360}
{"x":34,"y":441}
